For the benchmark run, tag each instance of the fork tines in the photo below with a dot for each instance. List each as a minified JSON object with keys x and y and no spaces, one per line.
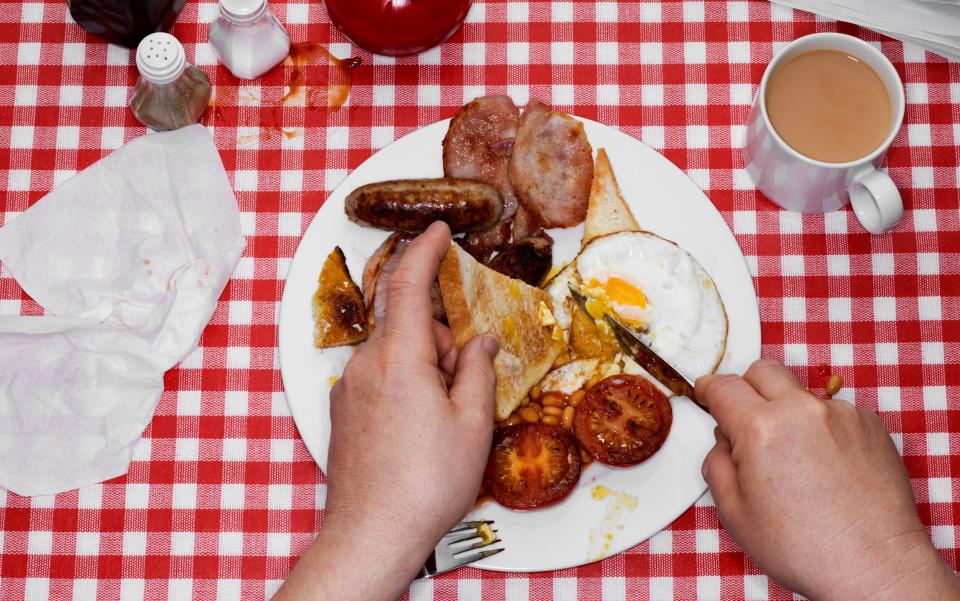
{"x":457,"y":547}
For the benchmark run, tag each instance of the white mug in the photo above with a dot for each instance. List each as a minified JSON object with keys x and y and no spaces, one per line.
{"x":800,"y":183}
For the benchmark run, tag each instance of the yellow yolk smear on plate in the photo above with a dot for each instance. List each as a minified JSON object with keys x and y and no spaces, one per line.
{"x":617,"y":297}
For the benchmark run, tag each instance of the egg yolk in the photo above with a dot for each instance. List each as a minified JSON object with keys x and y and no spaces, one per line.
{"x":622,"y":292}
{"x":603,"y":295}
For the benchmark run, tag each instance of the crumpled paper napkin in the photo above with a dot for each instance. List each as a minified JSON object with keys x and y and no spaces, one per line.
{"x":127,"y":259}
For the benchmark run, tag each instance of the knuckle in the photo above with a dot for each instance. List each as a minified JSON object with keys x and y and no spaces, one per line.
{"x":484,"y":370}
{"x":871,"y":418}
{"x":720,"y":384}
{"x":760,"y":366}
{"x":400,"y":282}
{"x":337,"y":391}
{"x":764,"y":363}
{"x":842,"y":408}
{"x":393,"y":371}
{"x":479,"y":415}
{"x":711,"y":458}
{"x":350,"y":372}
{"x":764,"y":429}
{"x":818,"y":410}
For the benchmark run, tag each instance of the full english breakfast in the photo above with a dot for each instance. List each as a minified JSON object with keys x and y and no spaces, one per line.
{"x":567,"y":392}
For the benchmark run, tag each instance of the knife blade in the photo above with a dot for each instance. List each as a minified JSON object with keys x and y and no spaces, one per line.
{"x":645,"y":357}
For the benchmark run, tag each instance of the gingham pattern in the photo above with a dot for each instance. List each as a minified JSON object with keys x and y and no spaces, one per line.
{"x":222,"y":495}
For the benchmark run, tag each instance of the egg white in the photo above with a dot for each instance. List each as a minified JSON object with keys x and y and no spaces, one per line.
{"x":684,"y":316}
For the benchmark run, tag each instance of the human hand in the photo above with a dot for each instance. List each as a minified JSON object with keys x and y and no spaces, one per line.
{"x":412,"y":421}
{"x":815,"y":492}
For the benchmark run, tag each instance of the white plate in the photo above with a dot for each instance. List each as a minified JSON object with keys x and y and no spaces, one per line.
{"x":645,"y":498}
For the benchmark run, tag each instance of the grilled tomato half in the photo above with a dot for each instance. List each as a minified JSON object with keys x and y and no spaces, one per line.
{"x":532,"y":465}
{"x":623,"y":420}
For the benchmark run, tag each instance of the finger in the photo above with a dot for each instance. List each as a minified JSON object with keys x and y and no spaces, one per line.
{"x":731,"y":401}
{"x":772,"y":380}
{"x":446,"y":348}
{"x":474,"y":382}
{"x":721,"y":474}
{"x":409,"y":314}
{"x":721,"y":440}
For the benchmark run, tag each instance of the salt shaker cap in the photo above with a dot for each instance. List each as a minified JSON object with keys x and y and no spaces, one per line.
{"x":242,"y":11}
{"x":160,"y":58}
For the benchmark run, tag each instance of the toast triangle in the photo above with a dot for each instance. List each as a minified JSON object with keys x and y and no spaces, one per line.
{"x":607,"y":211}
{"x":479,"y":300}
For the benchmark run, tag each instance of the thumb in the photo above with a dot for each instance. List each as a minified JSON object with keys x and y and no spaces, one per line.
{"x":474,"y":382}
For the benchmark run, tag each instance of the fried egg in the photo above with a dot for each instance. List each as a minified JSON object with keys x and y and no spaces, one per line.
{"x":657,"y":288}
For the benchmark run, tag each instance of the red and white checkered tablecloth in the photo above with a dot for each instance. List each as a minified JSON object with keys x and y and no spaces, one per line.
{"x":222,"y":495}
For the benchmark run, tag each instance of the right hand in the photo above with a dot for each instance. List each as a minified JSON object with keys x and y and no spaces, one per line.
{"x":814,"y":491}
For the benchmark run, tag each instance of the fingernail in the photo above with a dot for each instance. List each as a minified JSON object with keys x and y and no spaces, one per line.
{"x":436,"y":226}
{"x":490,"y":345}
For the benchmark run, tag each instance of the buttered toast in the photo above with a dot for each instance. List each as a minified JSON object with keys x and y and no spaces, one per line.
{"x":479,"y":300}
{"x":339,"y":313}
{"x":607,"y":211}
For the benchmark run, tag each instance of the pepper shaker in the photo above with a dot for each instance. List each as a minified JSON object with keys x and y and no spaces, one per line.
{"x":171,"y":93}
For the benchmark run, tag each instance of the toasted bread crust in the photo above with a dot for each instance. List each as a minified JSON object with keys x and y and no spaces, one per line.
{"x":478,"y":300}
{"x":607,"y":211}
{"x":338,"y":309}
{"x":454,"y":299}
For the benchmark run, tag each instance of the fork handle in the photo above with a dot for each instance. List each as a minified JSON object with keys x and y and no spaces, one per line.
{"x":429,"y":569}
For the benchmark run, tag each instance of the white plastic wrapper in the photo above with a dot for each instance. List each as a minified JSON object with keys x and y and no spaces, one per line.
{"x":127,"y":259}
{"x":933,"y":25}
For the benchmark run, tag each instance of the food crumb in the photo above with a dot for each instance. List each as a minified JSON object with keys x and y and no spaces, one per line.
{"x":146,"y":261}
{"x":600,"y":492}
{"x":332,"y":380}
{"x":486,"y":533}
{"x":834,"y":384}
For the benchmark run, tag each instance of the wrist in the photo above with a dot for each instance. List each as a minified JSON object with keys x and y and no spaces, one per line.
{"x":921,"y":574}
{"x":356,"y":560}
{"x":367,"y":559}
{"x":902,"y":567}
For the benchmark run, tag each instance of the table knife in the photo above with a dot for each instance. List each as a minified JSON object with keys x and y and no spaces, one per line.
{"x":645,"y":357}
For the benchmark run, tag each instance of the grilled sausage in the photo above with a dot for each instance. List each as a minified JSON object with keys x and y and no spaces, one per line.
{"x":412,"y":205}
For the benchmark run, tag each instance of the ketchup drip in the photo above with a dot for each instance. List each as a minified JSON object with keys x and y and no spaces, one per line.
{"x":310,"y":78}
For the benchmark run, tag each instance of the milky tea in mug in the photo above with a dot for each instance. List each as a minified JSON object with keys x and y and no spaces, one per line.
{"x":829,"y":105}
{"x":828,"y":108}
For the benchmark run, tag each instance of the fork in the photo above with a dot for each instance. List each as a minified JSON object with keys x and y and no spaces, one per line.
{"x":454,"y":548}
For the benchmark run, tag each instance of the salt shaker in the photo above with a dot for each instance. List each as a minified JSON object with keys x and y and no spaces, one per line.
{"x":247,"y":38}
{"x":171,"y":93}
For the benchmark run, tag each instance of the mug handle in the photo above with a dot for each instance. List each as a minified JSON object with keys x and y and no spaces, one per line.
{"x":875,"y":200}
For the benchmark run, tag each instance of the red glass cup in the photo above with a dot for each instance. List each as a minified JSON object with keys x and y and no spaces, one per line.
{"x":398,"y":27}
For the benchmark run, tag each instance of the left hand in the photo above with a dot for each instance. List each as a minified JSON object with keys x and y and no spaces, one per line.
{"x":412,"y":421}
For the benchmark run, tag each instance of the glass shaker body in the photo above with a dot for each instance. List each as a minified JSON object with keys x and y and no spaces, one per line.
{"x":165,"y":107}
{"x":170,"y":93}
{"x":125,"y":22}
{"x":250,"y":44}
